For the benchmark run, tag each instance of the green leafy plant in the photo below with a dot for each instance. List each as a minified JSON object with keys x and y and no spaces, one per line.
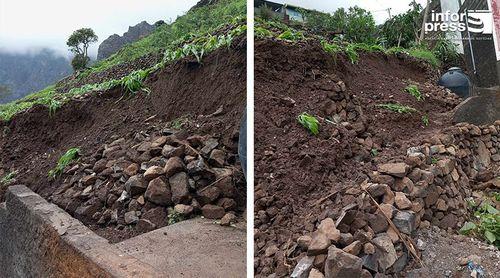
{"x":399,"y":108}
{"x":446,"y":51}
{"x":174,"y":217}
{"x":352,"y":54}
{"x":415,"y":92}
{"x":261,"y":32}
{"x":309,"y":122}
{"x":134,"y":82}
{"x":434,"y":160}
{"x":426,"y":55}
{"x":290,"y":35}
{"x":425,"y":120}
{"x":53,"y":106}
{"x":374,"y":152}
{"x":485,"y":225}
{"x":66,"y":159}
{"x":8,"y":178}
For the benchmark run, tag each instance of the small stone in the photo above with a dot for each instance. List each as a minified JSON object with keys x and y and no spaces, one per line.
{"x":209,"y":145}
{"x":170,"y":151}
{"x":184,"y":210}
{"x":131,"y":170}
{"x":446,"y":165}
{"x":354,"y":248}
{"x":179,"y":186}
{"x":368,"y":248}
{"x":376,"y":190}
{"x":227,"y":219}
{"x":342,"y":264}
{"x":402,"y":202}
{"x":394,"y":169}
{"x":173,"y":166}
{"x":212,"y":211}
{"x":158,"y":192}
{"x":441,"y":205}
{"x":89,"y":180}
{"x":131,"y":217}
{"x":315,"y":274}
{"x":135,"y":185}
{"x":327,"y":227}
{"x":304,"y":241}
{"x":271,"y":250}
{"x":140,"y":200}
{"x":319,"y":244}
{"x":303,"y":268}
{"x":388,"y":256}
{"x":217,"y":158}
{"x":387,"y":210}
{"x":144,"y":226}
{"x":158,"y":216}
{"x":405,"y":221}
{"x":153,"y":172}
{"x":208,"y":194}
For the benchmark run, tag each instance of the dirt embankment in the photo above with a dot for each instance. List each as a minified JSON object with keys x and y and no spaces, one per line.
{"x":32,"y":142}
{"x":296,"y":172}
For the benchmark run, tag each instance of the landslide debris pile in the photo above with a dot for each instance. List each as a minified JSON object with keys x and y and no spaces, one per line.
{"x":347,"y":202}
{"x":151,"y":180}
{"x":115,"y":115}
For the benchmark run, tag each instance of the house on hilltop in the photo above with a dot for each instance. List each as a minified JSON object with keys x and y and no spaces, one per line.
{"x":285,"y":12}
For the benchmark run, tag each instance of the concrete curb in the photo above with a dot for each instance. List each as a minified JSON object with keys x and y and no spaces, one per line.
{"x":38,"y":239}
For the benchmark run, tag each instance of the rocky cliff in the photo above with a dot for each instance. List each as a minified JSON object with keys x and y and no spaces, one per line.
{"x":112,"y":44}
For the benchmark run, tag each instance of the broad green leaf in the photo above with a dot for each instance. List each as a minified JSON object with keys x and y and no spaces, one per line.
{"x":468,"y":227}
{"x":489,"y":236}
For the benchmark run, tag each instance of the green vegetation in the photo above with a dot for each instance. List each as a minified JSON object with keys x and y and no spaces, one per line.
{"x":8,"y":178}
{"x":66,"y":159}
{"x":426,"y":55}
{"x":196,"y":22}
{"x":445,"y":51}
{"x":179,"y":122}
{"x":434,"y":160}
{"x":425,"y":120}
{"x":402,"y":30}
{"x":399,"y":108}
{"x":292,"y":36}
{"x":198,"y":46}
{"x":134,"y":82}
{"x":357,"y":24}
{"x":415,"y":92}
{"x":374,"y":152}
{"x":309,"y":122}
{"x":174,"y":217}
{"x":485,"y":225}
{"x":79,"y":43}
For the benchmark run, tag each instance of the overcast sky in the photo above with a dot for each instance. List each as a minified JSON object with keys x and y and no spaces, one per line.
{"x":31,"y":24}
{"x":28,"y":24}
{"x":377,"y":7}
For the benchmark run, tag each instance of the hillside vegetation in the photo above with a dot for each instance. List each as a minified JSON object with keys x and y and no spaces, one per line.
{"x":194,"y":34}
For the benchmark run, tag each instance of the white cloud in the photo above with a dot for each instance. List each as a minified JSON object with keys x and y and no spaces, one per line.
{"x":28,"y":24}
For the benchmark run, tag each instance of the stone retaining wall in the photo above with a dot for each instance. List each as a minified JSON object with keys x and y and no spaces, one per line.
{"x":38,"y":239}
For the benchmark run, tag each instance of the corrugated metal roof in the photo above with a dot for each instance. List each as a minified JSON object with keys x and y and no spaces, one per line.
{"x":474,"y":5}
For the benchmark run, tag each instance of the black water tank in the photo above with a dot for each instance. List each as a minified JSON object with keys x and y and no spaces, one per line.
{"x":457,"y":81}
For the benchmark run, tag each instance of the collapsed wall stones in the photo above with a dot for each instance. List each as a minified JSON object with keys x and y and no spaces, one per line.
{"x":430,"y":187}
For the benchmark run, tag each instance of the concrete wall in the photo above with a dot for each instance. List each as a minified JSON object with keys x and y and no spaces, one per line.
{"x":38,"y":239}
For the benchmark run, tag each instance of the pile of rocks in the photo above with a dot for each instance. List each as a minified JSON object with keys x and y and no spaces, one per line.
{"x":429,"y":187}
{"x":149,"y":181}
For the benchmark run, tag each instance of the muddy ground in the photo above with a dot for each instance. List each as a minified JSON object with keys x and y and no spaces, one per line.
{"x":294,"y":170}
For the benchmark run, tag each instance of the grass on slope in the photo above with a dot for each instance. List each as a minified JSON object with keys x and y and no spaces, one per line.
{"x":197,"y":21}
{"x":189,"y":35}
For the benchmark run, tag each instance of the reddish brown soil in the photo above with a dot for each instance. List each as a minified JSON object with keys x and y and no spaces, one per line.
{"x":33,"y":142}
{"x":294,"y":169}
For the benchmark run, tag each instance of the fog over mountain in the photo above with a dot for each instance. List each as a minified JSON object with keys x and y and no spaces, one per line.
{"x":23,"y":73}
{"x":33,"y":34}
